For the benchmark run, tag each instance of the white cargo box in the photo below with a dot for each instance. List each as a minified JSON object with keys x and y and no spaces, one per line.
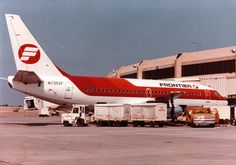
{"x":224,"y":111}
{"x":149,"y":112}
{"x":111,"y":112}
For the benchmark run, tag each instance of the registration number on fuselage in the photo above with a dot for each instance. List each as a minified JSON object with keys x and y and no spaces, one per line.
{"x":55,"y":82}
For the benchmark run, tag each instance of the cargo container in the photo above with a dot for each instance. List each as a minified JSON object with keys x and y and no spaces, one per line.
{"x":149,"y":113}
{"x":112,"y":114}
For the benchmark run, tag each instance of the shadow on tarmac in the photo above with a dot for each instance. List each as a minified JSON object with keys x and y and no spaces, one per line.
{"x":32,"y":124}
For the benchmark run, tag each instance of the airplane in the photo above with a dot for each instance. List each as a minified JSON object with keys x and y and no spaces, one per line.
{"x":38,"y":76}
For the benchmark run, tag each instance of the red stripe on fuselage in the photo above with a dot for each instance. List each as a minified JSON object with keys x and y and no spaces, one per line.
{"x":119,"y":87}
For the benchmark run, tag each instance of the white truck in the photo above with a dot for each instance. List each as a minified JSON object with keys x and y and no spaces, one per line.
{"x":111,"y":114}
{"x":227,"y":114}
{"x":148,"y":113}
{"x":79,"y":115}
{"x":33,"y":103}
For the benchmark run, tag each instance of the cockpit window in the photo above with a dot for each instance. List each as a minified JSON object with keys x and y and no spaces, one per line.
{"x":217,"y":93}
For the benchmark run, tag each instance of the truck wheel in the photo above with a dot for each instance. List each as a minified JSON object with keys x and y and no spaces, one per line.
{"x":152,"y":124}
{"x":105,"y":123}
{"x":80,"y":123}
{"x":111,"y":123}
{"x":135,"y":124}
{"x":98,"y":123}
{"x":161,"y":124}
{"x":212,"y":125}
{"x":124,"y":123}
{"x":142,"y":124}
{"x":67,"y":124}
{"x":118,"y":123}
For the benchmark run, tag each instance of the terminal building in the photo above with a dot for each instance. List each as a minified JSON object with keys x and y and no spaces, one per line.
{"x":215,"y":68}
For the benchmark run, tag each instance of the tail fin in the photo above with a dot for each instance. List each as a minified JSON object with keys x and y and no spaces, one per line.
{"x":28,"y":54}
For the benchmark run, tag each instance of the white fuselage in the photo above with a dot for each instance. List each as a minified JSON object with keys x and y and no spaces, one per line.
{"x":61,"y":90}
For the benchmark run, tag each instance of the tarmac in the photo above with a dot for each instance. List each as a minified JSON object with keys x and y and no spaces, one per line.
{"x":30,"y":140}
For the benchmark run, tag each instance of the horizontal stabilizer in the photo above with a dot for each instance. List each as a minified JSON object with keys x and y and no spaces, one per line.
{"x":3,"y":78}
{"x":27,"y":77}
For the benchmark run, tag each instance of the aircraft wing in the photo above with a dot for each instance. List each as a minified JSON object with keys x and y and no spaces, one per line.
{"x":172,"y":95}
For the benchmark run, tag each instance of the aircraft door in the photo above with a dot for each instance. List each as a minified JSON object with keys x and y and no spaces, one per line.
{"x":207,"y":95}
{"x":148,"y":92}
{"x":68,"y":93}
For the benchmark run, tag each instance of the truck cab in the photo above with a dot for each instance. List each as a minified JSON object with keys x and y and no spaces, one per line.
{"x":79,"y":115}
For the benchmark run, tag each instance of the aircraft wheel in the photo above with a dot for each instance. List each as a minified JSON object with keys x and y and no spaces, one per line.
{"x":233,"y":122}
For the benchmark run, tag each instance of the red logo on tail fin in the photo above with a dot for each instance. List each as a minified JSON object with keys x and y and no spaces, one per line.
{"x":29,"y":53}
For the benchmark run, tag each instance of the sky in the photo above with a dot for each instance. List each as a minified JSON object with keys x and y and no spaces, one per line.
{"x":94,"y":37}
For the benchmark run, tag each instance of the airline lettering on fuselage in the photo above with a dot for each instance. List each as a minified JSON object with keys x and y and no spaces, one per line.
{"x":175,"y":85}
